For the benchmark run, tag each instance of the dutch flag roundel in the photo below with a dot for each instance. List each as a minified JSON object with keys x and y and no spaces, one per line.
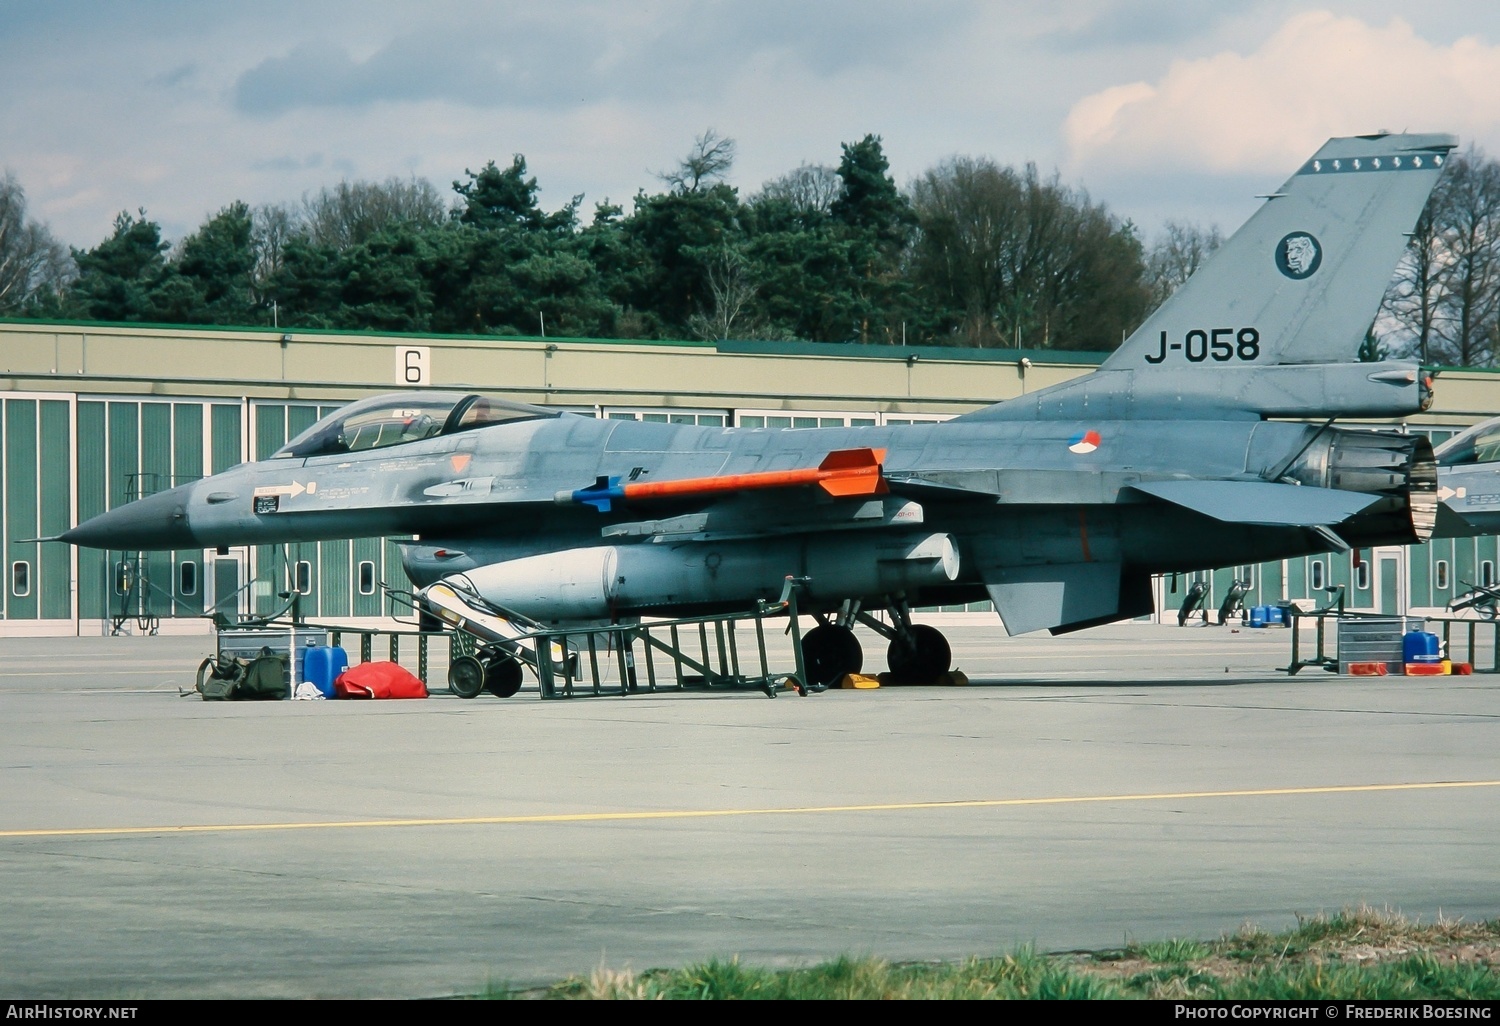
{"x":1084,"y":441}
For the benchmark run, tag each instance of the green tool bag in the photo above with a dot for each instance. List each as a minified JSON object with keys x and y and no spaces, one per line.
{"x":265,"y":678}
{"x":227,"y":679}
{"x":219,"y":678}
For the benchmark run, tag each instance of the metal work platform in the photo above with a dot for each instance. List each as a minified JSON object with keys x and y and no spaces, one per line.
{"x":488,"y":649}
{"x":491,"y":645}
{"x":1377,"y":638}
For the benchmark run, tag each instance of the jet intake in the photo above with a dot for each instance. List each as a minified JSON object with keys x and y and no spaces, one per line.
{"x":1398,"y":468}
{"x":608,"y":580}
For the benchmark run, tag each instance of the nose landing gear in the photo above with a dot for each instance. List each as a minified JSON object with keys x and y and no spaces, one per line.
{"x":830,"y":651}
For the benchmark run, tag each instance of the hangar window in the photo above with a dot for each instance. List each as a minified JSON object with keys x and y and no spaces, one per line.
{"x":303,"y":577}
{"x":1362,"y":575}
{"x":1318,"y":575}
{"x":1487,"y":573}
{"x":770,"y":419}
{"x":700,"y":418}
{"x":367,"y":577}
{"x":187,"y":578}
{"x":20,"y":578}
{"x":1440,"y":575}
{"x":406,"y":417}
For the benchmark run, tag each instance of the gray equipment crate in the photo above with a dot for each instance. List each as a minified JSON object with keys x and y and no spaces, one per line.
{"x":289,"y":643}
{"x":1374,"y":639}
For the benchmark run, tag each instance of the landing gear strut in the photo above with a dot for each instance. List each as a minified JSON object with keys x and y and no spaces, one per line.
{"x":918,"y":654}
{"x":922,"y":657}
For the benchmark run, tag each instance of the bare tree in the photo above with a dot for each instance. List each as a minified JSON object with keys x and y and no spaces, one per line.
{"x":273,"y":226}
{"x":732,"y":286}
{"x":1413,"y":301}
{"x":351,"y":212}
{"x":32,"y":263}
{"x":810,"y":189}
{"x":1466,"y":335}
{"x":1443,"y":305}
{"x":1179,"y":252}
{"x":708,"y":163}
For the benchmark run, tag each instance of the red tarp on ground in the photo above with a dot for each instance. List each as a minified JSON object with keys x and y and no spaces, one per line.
{"x":378,"y":680}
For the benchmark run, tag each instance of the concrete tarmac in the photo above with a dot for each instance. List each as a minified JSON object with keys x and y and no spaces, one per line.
{"x":1128,"y":783}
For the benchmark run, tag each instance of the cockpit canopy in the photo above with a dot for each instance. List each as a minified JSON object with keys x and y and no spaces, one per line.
{"x":403,"y":417}
{"x":1478,"y":444}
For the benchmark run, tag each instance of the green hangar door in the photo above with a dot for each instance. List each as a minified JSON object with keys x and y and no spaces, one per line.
{"x":36,"y":501}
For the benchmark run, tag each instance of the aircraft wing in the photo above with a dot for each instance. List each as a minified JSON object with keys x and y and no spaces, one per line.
{"x":1261,"y":502}
{"x":762,"y":516}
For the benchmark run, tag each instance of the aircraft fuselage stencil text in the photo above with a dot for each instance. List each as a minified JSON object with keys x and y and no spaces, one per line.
{"x":1221,"y":344}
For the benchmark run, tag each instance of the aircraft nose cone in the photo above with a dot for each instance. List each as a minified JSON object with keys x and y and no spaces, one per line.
{"x":158,"y":521}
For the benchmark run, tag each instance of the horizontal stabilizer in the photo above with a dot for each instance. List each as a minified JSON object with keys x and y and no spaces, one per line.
{"x":1451,"y":524}
{"x":1261,"y":502}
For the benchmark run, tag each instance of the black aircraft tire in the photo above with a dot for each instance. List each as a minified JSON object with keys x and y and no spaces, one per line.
{"x":466,"y":676}
{"x":925,"y":661}
{"x":830,"y":652}
{"x":503,"y":677}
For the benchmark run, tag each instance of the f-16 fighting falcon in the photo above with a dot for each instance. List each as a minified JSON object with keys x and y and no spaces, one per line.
{"x":1207,"y":439}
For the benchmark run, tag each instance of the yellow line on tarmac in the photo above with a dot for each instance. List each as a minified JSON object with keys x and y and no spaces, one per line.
{"x":606,"y":817}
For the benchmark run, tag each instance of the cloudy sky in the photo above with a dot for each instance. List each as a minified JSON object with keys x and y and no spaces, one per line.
{"x":1158,"y":108}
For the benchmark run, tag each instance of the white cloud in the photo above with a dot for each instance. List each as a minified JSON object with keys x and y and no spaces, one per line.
{"x":1319,"y":75}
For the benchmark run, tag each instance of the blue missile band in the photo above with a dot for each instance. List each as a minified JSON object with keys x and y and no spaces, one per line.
{"x":602,"y":494}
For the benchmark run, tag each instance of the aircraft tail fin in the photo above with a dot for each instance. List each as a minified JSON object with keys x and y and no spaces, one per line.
{"x":1301,"y":281}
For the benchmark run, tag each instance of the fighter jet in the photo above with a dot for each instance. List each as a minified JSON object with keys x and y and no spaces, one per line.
{"x":1207,"y":439}
{"x":1469,"y":482}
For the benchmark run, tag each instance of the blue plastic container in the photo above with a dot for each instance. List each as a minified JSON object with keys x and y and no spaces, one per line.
{"x":1275,"y":616}
{"x":324,"y":664}
{"x":1257,"y":616}
{"x":1421,"y":647}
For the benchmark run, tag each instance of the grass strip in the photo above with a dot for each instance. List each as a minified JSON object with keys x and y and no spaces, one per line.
{"x":1357,"y":954}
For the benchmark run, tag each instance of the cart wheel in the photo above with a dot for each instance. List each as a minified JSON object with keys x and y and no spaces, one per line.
{"x":503,"y":677}
{"x":466,"y":676}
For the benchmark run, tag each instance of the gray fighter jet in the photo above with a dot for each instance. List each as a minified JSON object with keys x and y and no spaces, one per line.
{"x":1059,"y":506}
{"x":1469,"y":482}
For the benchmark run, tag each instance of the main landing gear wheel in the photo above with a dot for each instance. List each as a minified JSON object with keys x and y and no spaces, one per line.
{"x":503,"y":677}
{"x":466,"y":676}
{"x":829,"y":651}
{"x":922,"y":657}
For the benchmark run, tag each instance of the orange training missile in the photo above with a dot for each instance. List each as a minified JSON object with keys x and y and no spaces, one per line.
{"x":845,"y":472}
